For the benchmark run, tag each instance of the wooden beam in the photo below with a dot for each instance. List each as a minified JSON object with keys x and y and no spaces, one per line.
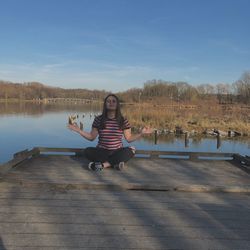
{"x":21,"y":153}
{"x":151,"y":152}
{"x":147,"y":153}
{"x":21,"y":156}
{"x":17,"y":159}
{"x":242,"y":162}
{"x":67,"y":150}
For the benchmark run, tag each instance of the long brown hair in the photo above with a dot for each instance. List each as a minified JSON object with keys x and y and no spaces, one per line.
{"x":118,"y":115}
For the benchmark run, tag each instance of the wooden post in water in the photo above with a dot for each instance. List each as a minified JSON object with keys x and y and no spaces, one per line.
{"x":186,"y":139}
{"x":218,"y":140}
{"x":81,"y":125}
{"x":155,"y":137}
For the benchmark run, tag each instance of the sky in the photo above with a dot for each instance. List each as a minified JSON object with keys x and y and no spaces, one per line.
{"x":116,"y":45}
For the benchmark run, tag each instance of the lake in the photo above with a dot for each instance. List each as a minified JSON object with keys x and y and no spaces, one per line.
{"x":27,"y":125}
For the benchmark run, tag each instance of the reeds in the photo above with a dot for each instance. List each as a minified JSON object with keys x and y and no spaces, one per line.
{"x":200,"y":118}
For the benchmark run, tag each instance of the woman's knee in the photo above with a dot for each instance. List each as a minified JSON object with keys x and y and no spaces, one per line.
{"x":132,"y":149}
{"x":128,"y":152}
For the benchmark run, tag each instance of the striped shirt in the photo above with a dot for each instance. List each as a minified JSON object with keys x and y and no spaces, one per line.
{"x":111,"y":136}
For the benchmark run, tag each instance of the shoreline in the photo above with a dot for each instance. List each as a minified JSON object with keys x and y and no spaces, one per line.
{"x":212,"y":133}
{"x":191,"y":119}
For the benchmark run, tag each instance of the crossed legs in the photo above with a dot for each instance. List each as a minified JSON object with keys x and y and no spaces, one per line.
{"x":107,"y":157}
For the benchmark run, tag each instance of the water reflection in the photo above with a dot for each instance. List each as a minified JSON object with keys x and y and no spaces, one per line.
{"x":28,"y":125}
{"x":38,"y":109}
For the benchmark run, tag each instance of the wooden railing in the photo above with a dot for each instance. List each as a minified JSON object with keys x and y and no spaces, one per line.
{"x":150,"y":153}
{"x":20,"y":157}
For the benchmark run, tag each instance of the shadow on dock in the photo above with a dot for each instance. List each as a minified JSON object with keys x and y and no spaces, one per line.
{"x":55,"y":202}
{"x":2,"y":247}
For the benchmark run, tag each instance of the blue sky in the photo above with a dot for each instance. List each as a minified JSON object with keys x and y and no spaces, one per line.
{"x":120,"y":44}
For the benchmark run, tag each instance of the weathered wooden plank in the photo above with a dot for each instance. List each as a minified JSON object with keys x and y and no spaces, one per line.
{"x":128,"y":218}
{"x":74,"y":150}
{"x":96,"y":201}
{"x":158,"y":206}
{"x":112,"y":241}
{"x":162,"y":210}
{"x":236,"y":200}
{"x":178,"y":221}
{"x":21,"y":153}
{"x":122,"y":230}
{"x":36,"y":183}
{"x":138,"y":198}
{"x":107,"y":178}
{"x":97,"y":220}
{"x":216,"y":200}
{"x":169,"y":200}
{"x":184,"y":153}
{"x":132,"y":219}
{"x":118,"y":177}
{"x":79,"y":208}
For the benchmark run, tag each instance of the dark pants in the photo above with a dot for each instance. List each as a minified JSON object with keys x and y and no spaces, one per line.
{"x":104,"y":155}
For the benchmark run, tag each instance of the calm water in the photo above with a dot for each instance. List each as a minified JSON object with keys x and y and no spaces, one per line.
{"x":24,"y":126}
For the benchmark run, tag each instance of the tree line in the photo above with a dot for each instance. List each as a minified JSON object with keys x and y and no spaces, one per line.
{"x":165,"y":91}
{"x":156,"y":91}
{"x":36,"y":90}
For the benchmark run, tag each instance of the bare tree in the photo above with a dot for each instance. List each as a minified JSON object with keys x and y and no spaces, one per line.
{"x":242,"y":87}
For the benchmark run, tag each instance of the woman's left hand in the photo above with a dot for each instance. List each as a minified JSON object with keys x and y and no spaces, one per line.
{"x":147,"y":130}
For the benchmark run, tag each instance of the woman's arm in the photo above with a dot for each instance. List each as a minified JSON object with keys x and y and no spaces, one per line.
{"x":132,"y":137}
{"x":89,"y":136}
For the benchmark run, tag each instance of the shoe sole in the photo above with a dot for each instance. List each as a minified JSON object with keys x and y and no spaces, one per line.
{"x":120,"y":167}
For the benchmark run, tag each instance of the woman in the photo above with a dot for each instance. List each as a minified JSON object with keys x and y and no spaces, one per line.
{"x":110,"y":126}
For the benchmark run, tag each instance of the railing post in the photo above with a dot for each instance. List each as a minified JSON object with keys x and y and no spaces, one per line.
{"x":155,"y":137}
{"x":186,"y":139}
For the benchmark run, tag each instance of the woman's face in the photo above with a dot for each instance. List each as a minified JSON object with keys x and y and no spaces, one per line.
{"x":111,"y":103}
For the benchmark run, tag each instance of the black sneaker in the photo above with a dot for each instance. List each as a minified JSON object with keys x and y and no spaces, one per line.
{"x":95,"y":166}
{"x":119,"y":166}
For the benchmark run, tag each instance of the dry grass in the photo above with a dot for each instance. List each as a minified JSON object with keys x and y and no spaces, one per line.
{"x":197,"y":118}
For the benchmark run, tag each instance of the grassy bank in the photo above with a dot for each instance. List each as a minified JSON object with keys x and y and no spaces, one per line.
{"x":196,"y":117}
{"x":191,"y":118}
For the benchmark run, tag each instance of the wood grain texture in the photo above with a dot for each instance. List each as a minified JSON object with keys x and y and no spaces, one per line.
{"x":55,"y":202}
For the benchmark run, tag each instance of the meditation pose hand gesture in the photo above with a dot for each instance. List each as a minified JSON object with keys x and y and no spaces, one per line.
{"x":147,"y":130}
{"x":111,"y":126}
{"x":74,"y":127}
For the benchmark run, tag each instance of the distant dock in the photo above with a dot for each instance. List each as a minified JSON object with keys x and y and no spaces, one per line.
{"x":68,"y":100}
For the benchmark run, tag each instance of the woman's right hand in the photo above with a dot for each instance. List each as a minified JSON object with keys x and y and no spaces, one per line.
{"x":74,"y":127}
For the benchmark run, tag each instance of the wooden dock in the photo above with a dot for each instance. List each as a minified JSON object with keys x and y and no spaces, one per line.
{"x":50,"y":200}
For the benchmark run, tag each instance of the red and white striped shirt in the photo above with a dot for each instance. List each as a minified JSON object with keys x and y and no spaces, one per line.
{"x":111,"y":136}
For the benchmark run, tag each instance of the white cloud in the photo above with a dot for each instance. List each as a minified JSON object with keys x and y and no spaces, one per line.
{"x":93,"y":74}
{"x":107,"y":76}
{"x":229,"y":45}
